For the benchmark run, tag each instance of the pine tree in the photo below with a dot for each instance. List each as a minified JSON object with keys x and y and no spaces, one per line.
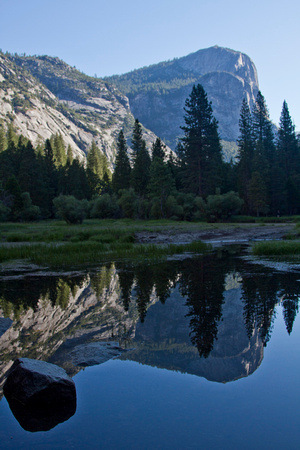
{"x":263,"y":134}
{"x":288,"y":163}
{"x":77,"y":182}
{"x":121,"y":175}
{"x":290,"y":311}
{"x":59,"y":150}
{"x":141,"y":161}
{"x":3,"y":143}
{"x":158,"y":149}
{"x":201,"y":145}
{"x":264,"y":152}
{"x":50,"y":179}
{"x":12,"y":187}
{"x":94,"y":160}
{"x":29,"y":175}
{"x":287,"y":143}
{"x":161,"y":183}
{"x":246,"y":152}
{"x":69,"y":155}
{"x":97,"y":169}
{"x":11,"y":136}
{"x":258,"y":198}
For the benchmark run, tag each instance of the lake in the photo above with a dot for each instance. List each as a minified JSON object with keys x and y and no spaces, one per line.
{"x":208,"y":352}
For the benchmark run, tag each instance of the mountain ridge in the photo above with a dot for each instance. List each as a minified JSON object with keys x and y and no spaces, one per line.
{"x":54,"y":97}
{"x":157,"y":93}
{"x":43,"y":95}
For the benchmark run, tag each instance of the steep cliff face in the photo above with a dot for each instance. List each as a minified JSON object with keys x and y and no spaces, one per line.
{"x":31,"y":107}
{"x":157,"y":93}
{"x":43,"y":96}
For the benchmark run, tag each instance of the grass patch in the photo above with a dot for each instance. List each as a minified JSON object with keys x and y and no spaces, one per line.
{"x":88,"y":252}
{"x":95,"y":230}
{"x":56,"y":244}
{"x":276,"y":248}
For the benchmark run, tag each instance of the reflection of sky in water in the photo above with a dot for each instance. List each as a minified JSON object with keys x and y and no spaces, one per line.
{"x":124,"y":404}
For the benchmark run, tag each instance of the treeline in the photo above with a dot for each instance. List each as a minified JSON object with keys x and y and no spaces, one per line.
{"x":31,"y":178}
{"x":200,"y":281}
{"x":193,"y":185}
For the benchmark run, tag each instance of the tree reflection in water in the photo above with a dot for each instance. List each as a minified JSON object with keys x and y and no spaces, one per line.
{"x":261,"y":292}
{"x":200,"y":280}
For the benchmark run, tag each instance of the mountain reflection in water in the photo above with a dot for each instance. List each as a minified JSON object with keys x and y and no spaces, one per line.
{"x":208,"y":315}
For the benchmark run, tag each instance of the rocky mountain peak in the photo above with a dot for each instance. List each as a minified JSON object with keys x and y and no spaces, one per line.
{"x":43,"y":95}
{"x":157,"y":93}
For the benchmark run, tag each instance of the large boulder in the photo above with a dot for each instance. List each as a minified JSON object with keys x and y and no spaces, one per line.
{"x":40,"y":394}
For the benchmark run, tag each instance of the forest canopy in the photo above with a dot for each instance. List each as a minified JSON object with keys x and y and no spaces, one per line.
{"x":193,"y":184}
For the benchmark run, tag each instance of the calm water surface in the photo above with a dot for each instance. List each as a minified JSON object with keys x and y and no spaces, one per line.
{"x":212,"y":353}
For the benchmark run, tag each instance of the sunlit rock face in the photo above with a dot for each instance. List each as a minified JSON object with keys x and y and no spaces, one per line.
{"x":43,"y":96}
{"x":157,"y":93}
{"x":52,"y":332}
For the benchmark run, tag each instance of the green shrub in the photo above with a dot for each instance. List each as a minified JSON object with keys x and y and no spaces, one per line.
{"x":128,"y":203}
{"x":4,"y":212}
{"x":155,"y":209}
{"x":223,"y":206}
{"x":174,"y":211}
{"x":70,"y":208}
{"x":104,"y":207}
{"x":29,"y":212}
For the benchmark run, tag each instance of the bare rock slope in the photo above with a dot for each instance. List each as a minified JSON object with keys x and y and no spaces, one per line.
{"x":42,"y":96}
{"x":157,"y":93}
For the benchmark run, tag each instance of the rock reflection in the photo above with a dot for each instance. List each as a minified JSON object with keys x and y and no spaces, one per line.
{"x":165,"y":340}
{"x":48,"y":328}
{"x":41,"y":418}
{"x":40,"y":395}
{"x":209,"y":315}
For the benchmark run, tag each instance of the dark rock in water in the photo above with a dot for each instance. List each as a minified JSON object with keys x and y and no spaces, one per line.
{"x":40,"y":395}
{"x":5,"y":324}
{"x":95,"y":353}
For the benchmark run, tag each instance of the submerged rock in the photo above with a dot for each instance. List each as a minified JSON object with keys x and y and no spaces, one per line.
{"x":95,"y":353}
{"x":40,"y":395}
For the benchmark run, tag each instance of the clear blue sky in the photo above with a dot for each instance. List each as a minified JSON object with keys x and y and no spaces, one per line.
{"x":106,"y":37}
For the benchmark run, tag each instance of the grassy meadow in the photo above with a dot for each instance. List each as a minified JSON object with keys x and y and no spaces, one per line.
{"x":54,"y":243}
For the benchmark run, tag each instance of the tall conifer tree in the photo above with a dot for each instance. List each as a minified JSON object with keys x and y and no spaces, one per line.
{"x":121,"y":175}
{"x":97,"y":168}
{"x":59,"y":150}
{"x":141,"y":161}
{"x":264,"y":152}
{"x":158,"y":149}
{"x":2,"y":140}
{"x":201,"y":145}
{"x":246,"y":152}
{"x":288,"y":164}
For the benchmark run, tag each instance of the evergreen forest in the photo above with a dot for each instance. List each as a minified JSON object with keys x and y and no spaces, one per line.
{"x":192,"y":184}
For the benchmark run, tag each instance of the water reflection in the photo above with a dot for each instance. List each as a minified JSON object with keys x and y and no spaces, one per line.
{"x":209,"y":315}
{"x":42,"y":417}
